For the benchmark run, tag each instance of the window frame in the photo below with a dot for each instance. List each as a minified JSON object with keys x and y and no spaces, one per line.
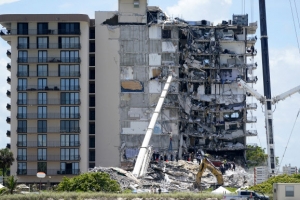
{"x":289,"y":191}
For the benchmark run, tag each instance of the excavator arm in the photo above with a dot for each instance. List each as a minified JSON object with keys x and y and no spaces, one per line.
{"x":206,"y":164}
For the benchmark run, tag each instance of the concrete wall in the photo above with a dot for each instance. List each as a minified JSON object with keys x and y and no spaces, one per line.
{"x":107,"y":91}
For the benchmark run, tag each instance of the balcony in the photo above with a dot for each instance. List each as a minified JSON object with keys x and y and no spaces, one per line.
{"x":8,"y":66}
{"x":8,"y":80}
{"x":48,"y":88}
{"x":8,"y":93}
{"x":8,"y":120}
{"x":49,"y":46}
{"x":8,"y":53}
{"x":8,"y":133}
{"x":48,"y":74}
{"x":48,"y":158}
{"x":251,"y":132}
{"x":8,"y":106}
{"x":48,"y":130}
{"x":47,"y":144}
{"x":251,"y":120}
{"x":47,"y":116}
{"x":5,"y":32}
{"x":251,"y":106}
{"x":48,"y":102}
{"x":8,"y":145}
{"x":48,"y":60}
{"x":49,"y":172}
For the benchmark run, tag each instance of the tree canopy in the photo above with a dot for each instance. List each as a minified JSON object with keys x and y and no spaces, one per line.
{"x":255,"y":156}
{"x":6,"y":160}
{"x":93,"y":181}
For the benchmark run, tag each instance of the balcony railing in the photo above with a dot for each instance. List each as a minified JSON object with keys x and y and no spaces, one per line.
{"x":48,"y":130}
{"x":8,"y":106}
{"x":251,"y":106}
{"x":251,"y":132}
{"x":48,"y":102}
{"x":48,"y":144}
{"x":49,"y":172}
{"x":48,"y":60}
{"x":251,"y":120}
{"x":47,"y":116}
{"x":48,"y":87}
{"x":48,"y":158}
{"x":39,"y":32}
{"x":8,"y":80}
{"x":8,"y":66}
{"x":49,"y":46}
{"x":46,"y":74}
{"x":8,"y":133}
{"x":8,"y":120}
{"x":8,"y":93}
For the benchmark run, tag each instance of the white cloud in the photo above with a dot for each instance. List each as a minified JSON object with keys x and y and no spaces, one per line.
{"x":211,"y":10}
{"x":7,"y":1}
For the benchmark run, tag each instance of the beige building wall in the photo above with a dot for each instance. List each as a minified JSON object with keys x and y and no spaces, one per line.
{"x":107,"y":74}
{"x":133,"y":11}
{"x":279,"y":191}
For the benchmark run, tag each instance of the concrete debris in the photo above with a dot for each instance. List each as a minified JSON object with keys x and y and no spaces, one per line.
{"x":175,"y":176}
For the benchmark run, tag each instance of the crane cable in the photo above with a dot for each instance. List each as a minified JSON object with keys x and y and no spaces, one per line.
{"x":288,"y":140}
{"x":294,"y":24}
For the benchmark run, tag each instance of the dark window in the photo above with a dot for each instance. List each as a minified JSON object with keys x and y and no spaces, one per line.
{"x":92,"y":155}
{"x":92,"y":101}
{"x":22,"y":57}
{"x":92,"y":88}
{"x":92,"y":33}
{"x":69,"y":126}
{"x":69,"y":28}
{"x":22,"y":84}
{"x":92,"y":142}
{"x":42,"y":126}
{"x":69,"y":98}
{"x":42,"y":154}
{"x":42,"y":28}
{"x":22,"y":126}
{"x":92,"y":129}
{"x":22,"y":28}
{"x":42,"y":167}
{"x":92,"y":114}
{"x":92,"y":165}
{"x":92,"y":47}
{"x":22,"y":168}
{"x":23,"y":42}
{"x":92,"y":74}
{"x":69,"y":168}
{"x":22,"y":140}
{"x":92,"y":60}
{"x":166,"y":34}
{"x":23,"y":70}
{"x":42,"y":140}
{"x":22,"y":112}
{"x":22,"y":154}
{"x":22,"y":98}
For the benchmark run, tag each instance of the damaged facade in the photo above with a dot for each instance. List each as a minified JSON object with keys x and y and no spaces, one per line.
{"x":205,"y":109}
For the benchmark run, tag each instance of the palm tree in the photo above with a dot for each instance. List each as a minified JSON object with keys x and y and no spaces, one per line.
{"x":11,"y":183}
{"x":6,"y":160}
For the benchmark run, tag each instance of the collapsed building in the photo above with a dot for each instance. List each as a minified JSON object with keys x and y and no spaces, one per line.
{"x":204,"y":109}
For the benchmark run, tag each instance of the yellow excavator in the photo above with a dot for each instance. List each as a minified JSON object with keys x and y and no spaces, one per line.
{"x":206,"y":163}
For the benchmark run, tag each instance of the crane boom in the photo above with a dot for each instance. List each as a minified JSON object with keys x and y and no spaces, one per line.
{"x":140,"y":165}
{"x":286,"y":94}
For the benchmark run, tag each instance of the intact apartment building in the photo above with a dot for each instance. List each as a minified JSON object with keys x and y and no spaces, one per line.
{"x":83,"y":90}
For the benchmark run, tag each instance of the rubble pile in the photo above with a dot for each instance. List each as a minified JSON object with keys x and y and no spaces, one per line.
{"x":176,"y":176}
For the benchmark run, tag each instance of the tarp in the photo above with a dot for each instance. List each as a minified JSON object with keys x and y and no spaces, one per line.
{"x":221,"y":190}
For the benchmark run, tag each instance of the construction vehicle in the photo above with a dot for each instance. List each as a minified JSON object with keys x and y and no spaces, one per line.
{"x":207,"y":164}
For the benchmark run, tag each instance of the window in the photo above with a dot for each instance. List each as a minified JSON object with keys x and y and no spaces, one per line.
{"x":69,"y":154}
{"x":42,"y":126}
{"x":92,"y":114}
{"x":22,"y":56}
{"x":22,"y":154}
{"x":42,"y":167}
{"x":42,"y":112}
{"x":92,"y":129}
{"x":22,"y":140}
{"x":69,"y":56}
{"x":68,"y":42}
{"x":289,"y":191}
{"x":42,"y":56}
{"x":69,"y":168}
{"x":69,"y":28}
{"x":22,"y":126}
{"x":22,"y":168}
{"x":42,"y":28}
{"x":69,"y":98}
{"x":22,"y":98}
{"x":136,"y":3}
{"x":22,"y":112}
{"x":42,"y":70}
{"x":92,"y":154}
{"x":22,"y":28}
{"x":69,"y":112}
{"x":42,"y":84}
{"x":92,"y":142}
{"x":23,"y":70}
{"x":69,"y":140}
{"x":69,"y":70}
{"x":42,"y":140}
{"x":42,"y":98}
{"x":23,"y":42}
{"x":42,"y":154}
{"x":166,"y":34}
{"x":22,"y":84}
{"x":69,"y":126}
{"x":69,"y":84}
{"x":42,"y":43}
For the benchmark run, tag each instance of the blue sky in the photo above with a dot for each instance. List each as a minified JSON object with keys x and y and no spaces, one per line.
{"x":284,"y":54}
